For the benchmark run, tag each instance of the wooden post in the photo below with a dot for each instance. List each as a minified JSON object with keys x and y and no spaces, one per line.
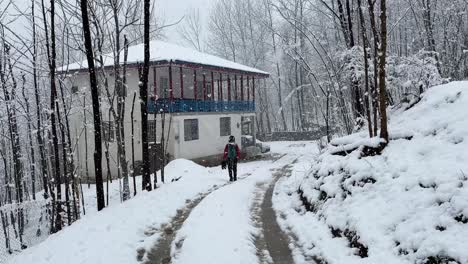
{"x":253,"y":88}
{"x":155,"y":84}
{"x":221,"y":86}
{"x":248,"y":88}
{"x":229,"y":87}
{"x":171,"y":87}
{"x":204,"y":87}
{"x":212,"y":86}
{"x":181,"y":82}
{"x":235,"y":87}
{"x":242,"y":88}
{"x":195,"y":84}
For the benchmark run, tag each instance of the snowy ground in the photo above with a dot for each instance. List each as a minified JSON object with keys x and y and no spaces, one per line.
{"x":408,"y":205}
{"x":115,"y":234}
{"x":222,"y":220}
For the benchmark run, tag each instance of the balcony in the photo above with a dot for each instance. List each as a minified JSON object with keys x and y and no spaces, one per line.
{"x":190,"y":105}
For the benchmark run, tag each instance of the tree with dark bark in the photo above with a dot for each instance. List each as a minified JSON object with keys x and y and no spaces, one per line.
{"x":96,"y":108}
{"x":146,"y":177}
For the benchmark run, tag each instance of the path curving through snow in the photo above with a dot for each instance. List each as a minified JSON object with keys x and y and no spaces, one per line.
{"x":273,"y":241}
{"x":232,"y":222}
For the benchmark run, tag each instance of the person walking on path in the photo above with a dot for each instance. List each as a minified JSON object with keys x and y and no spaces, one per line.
{"x":231,"y":155}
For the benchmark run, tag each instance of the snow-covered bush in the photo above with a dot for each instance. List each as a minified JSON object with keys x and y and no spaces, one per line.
{"x":408,"y":77}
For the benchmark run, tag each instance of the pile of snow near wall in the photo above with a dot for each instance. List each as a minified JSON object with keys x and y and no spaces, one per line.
{"x":407,"y":205}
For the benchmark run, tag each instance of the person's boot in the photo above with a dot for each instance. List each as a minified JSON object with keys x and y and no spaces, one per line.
{"x":230,"y":179}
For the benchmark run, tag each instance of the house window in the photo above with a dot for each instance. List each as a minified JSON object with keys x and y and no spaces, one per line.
{"x":151,"y":130}
{"x":163,"y":87}
{"x":108,"y":131}
{"x":191,"y":129}
{"x":225,"y":126}
{"x":122,"y":90}
{"x":74,"y":89}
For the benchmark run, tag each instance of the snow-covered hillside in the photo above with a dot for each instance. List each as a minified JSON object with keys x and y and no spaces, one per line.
{"x":407,"y":205}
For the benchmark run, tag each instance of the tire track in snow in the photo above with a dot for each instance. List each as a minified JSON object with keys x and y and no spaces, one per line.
{"x":272,"y":244}
{"x":160,"y":253}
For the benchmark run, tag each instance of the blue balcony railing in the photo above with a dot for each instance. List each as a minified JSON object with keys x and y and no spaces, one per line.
{"x":188,"y":105}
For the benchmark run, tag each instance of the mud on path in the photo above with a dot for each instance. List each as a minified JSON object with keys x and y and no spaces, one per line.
{"x":272,"y":244}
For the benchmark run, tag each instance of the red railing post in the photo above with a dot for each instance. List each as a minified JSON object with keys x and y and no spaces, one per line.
{"x":248,"y":88}
{"x":235,"y":87}
{"x":181,"y":82}
{"x":221,"y":86}
{"x":253,"y":88}
{"x":204,"y":87}
{"x":212,"y":87}
{"x":229,"y":87}
{"x":155,"y":83}
{"x":242,"y":88}
{"x":171,"y":87}
{"x":195,"y":90}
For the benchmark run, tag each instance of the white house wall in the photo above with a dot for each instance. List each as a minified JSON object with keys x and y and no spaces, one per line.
{"x":209,"y":143}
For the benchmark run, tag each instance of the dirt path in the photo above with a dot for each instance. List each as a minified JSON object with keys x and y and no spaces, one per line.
{"x":273,"y":243}
{"x":160,"y":253}
{"x":273,"y":240}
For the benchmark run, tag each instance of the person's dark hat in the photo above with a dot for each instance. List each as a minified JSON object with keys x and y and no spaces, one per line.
{"x":232,"y":139}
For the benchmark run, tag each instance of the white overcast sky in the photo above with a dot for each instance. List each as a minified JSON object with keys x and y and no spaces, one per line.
{"x":173,"y":10}
{"x":169,"y":10}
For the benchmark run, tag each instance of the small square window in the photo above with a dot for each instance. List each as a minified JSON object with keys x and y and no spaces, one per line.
{"x":74,"y":89}
{"x":152,"y":131}
{"x":122,"y":90}
{"x":191,"y":129}
{"x":225,"y":126}
{"x":108,"y":131}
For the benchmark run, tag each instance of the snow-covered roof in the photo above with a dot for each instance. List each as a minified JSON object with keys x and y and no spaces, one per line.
{"x":161,"y":51}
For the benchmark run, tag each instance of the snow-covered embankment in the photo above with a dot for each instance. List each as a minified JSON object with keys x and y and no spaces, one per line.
{"x":407,"y":205}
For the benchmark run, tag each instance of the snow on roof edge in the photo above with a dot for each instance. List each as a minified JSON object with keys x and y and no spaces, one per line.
{"x":164,"y":52}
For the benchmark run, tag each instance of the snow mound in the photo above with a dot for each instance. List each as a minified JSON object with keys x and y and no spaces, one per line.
{"x":179,"y":168}
{"x":407,"y":205}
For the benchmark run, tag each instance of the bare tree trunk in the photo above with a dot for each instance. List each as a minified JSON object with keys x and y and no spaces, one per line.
{"x":65,"y":165}
{"x":121,"y":126}
{"x":96,"y":112}
{"x":382,"y":62}
{"x":366,"y":67}
{"x":86,"y":141}
{"x":39,"y":133}
{"x":146,"y":178}
{"x":133,"y":146}
{"x":429,"y":28}
{"x":375,"y":94}
{"x":18,"y":170}
{"x":32,"y":166}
